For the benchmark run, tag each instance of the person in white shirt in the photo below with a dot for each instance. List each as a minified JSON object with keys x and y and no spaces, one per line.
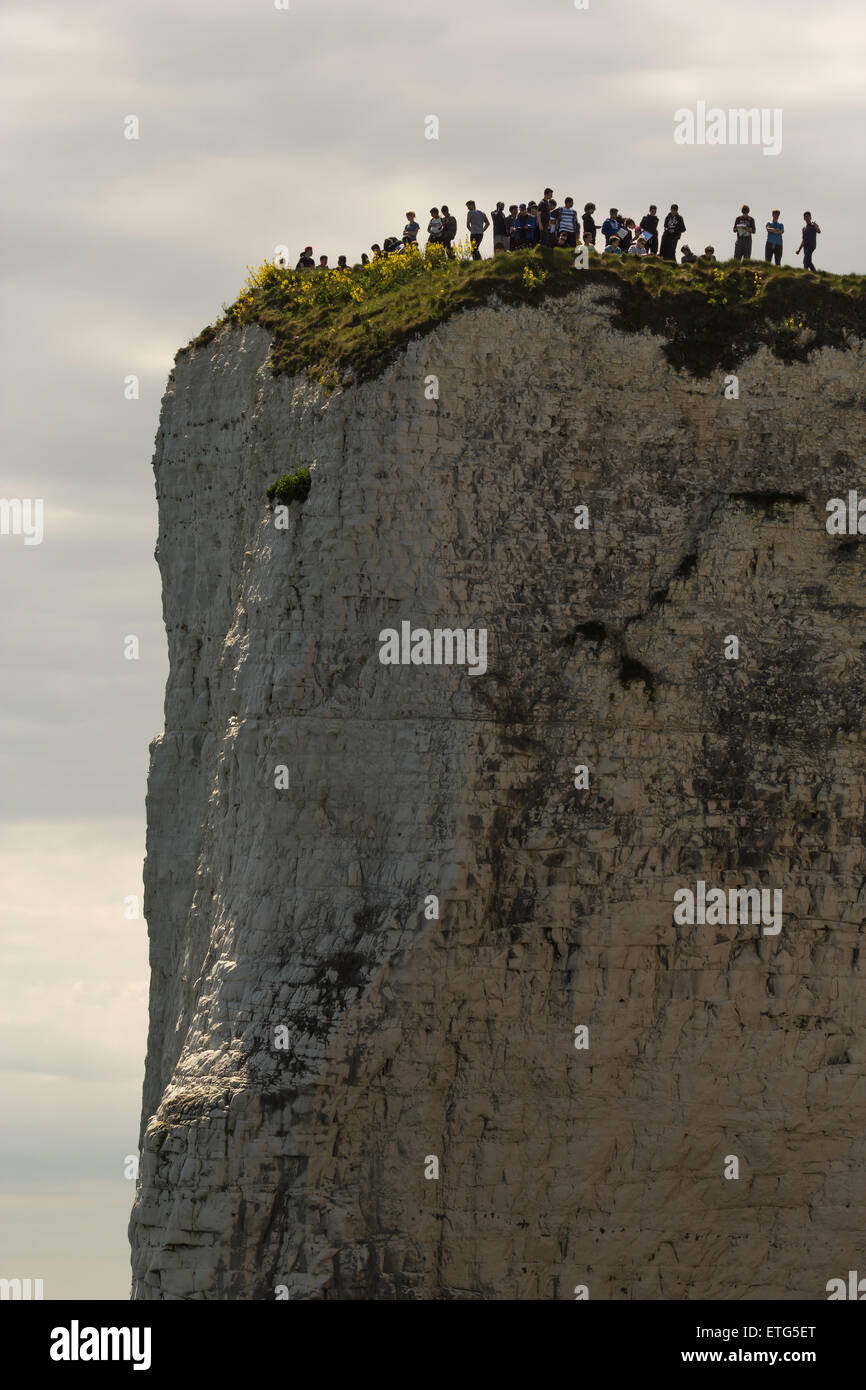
{"x":434,"y":228}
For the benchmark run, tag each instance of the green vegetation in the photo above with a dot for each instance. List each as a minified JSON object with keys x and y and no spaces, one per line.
{"x":710,"y":315}
{"x":291,"y":487}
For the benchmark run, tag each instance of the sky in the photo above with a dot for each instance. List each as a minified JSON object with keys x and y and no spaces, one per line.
{"x":259,"y":127}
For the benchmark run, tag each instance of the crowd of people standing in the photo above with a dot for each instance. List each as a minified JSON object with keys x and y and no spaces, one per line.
{"x":522,"y":226}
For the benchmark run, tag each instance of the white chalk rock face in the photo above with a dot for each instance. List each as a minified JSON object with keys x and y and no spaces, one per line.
{"x":423,"y":1023}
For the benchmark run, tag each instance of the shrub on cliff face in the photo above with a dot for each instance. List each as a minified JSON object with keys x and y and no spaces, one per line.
{"x":291,"y":487}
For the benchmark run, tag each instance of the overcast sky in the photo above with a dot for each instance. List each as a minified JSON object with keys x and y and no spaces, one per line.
{"x":260,"y":127}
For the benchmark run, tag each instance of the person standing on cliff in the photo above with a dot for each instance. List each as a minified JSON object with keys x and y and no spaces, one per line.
{"x":610,"y":226}
{"x":744,"y":227}
{"x":567,"y":224}
{"x":551,"y":226}
{"x":411,"y":230}
{"x":501,"y":232}
{"x":532,"y":209}
{"x":589,"y":227}
{"x":449,"y":230}
{"x":545,"y":214}
{"x":626,"y":235}
{"x":773,"y":248}
{"x":434,"y":228}
{"x":305,"y":260}
{"x":809,"y":240}
{"x":524,"y":225}
{"x":649,"y":225}
{"x":477,"y":223}
{"x":673,"y":230}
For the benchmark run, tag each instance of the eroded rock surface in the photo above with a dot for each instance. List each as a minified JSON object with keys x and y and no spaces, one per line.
{"x":303,"y":908}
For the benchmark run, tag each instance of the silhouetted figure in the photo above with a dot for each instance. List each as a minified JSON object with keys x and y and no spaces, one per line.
{"x":501,"y":231}
{"x":449,"y":230}
{"x":546,"y":224}
{"x":673,"y":229}
{"x":808,"y":240}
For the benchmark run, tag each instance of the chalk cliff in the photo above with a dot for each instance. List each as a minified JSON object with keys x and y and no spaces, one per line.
{"x":317,"y":1034}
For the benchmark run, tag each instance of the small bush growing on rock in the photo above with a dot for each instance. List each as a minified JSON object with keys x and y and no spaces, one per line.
{"x":291,"y":487}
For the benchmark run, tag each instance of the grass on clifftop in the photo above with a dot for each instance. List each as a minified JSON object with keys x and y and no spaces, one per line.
{"x":712,"y":316}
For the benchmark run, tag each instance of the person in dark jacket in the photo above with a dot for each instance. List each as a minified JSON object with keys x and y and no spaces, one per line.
{"x":501,"y":230}
{"x":649,"y":225}
{"x":551,"y":226}
{"x":545,"y":214}
{"x":673,"y":229}
{"x":589,"y":227}
{"x":809,"y":240}
{"x":744,"y":228}
{"x":449,"y":230}
{"x":305,"y":260}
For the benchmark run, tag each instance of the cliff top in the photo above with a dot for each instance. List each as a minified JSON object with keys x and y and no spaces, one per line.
{"x":353,"y":322}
